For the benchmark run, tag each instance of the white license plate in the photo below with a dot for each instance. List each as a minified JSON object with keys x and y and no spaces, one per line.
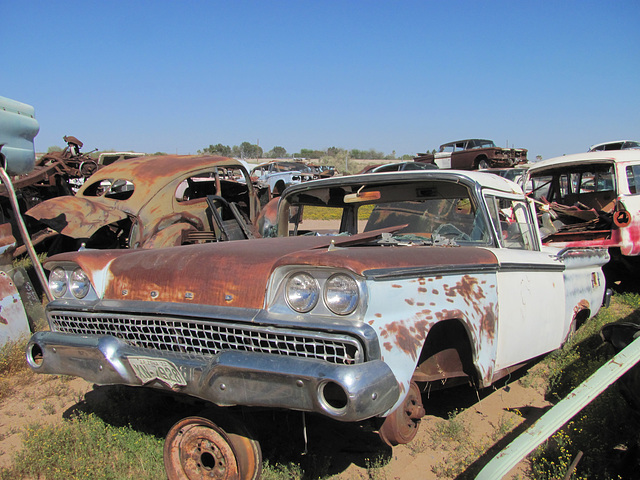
{"x":148,"y":369}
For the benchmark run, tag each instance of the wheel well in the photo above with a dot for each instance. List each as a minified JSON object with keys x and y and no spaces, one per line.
{"x":446,"y":354}
{"x":479,"y":158}
{"x":279,"y":187}
{"x":581,"y":317}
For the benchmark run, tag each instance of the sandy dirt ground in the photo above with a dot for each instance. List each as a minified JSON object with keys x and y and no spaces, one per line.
{"x":489,"y":421}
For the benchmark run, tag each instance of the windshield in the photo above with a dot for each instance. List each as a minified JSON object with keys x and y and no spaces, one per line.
{"x":427,"y":212}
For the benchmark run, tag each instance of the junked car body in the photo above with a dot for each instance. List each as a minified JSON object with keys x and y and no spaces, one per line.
{"x":474,"y":154}
{"x":278,"y":175}
{"x":153,"y":201}
{"x":592,"y":199}
{"x":430,"y":278}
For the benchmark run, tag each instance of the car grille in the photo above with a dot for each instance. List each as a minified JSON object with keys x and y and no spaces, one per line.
{"x":210,"y":337}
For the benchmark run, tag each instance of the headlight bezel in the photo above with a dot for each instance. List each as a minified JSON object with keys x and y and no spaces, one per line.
{"x":76,"y":282}
{"x":276,"y":300}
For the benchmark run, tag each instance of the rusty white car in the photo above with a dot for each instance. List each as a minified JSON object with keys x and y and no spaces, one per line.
{"x":151,"y":202}
{"x":474,"y":154}
{"x":413,"y":280}
{"x":592,"y":199}
{"x":278,"y":175}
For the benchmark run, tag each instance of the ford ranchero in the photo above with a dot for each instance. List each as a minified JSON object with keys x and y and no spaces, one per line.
{"x":374,"y":288}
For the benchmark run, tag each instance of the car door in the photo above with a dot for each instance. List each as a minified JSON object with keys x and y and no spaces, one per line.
{"x":531,"y":308}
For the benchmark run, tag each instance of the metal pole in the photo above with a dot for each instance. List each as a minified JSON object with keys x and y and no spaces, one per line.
{"x":562,"y":412}
{"x":23,"y":232}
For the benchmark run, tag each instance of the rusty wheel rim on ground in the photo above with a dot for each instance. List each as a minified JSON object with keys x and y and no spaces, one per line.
{"x":401,"y":426}
{"x":244,"y":443}
{"x":196,"y":448}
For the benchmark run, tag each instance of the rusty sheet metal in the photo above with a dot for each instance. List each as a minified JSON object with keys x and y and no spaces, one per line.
{"x":372,"y":260}
{"x":208,"y":274}
{"x":204,"y":274}
{"x":81,"y":217}
{"x":13,"y":319}
{"x":7,"y":240}
{"x":154,"y":170}
{"x":402,"y":311}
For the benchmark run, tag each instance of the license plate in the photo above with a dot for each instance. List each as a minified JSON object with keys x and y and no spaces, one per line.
{"x":148,"y":369}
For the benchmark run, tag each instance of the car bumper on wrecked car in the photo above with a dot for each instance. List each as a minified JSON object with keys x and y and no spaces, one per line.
{"x":269,"y":367}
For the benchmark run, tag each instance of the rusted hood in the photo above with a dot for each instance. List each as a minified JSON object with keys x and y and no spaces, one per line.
{"x":237,"y":273}
{"x":74,"y":216}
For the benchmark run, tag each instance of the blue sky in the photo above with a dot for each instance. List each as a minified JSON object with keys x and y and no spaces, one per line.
{"x":404,"y":76}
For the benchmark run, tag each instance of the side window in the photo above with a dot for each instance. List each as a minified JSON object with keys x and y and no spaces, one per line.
{"x":512,"y":222}
{"x":197,"y":187}
{"x":633,"y":178}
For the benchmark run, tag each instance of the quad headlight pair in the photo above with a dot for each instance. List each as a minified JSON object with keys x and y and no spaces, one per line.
{"x":340,"y":293}
{"x":76,"y":282}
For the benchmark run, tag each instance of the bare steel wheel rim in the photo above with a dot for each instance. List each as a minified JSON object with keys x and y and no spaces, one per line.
{"x":197,"y":449}
{"x":401,"y":426}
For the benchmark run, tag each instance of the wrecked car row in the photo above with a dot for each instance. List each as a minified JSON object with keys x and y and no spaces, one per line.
{"x":425,"y":279}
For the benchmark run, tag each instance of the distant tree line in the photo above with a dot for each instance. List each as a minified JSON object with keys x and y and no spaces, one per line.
{"x":249,"y":150}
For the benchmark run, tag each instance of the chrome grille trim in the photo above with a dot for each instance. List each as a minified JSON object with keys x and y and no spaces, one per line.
{"x":196,"y":337}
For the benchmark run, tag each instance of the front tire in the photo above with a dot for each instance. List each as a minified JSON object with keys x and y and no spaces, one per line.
{"x":482,"y":164}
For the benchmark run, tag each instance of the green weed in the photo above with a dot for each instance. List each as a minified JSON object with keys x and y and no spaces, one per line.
{"x":86,"y":447}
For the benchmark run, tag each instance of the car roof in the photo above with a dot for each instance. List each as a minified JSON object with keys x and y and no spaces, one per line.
{"x":469,"y":140}
{"x":588,"y":157}
{"x":469,"y":177}
{"x":611,"y":142}
{"x":153,"y":168}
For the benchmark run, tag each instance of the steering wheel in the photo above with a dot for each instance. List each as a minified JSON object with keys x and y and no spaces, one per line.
{"x":451,"y":231}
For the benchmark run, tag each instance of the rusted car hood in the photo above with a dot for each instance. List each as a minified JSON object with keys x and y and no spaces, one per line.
{"x":236,"y":273}
{"x":81,"y":218}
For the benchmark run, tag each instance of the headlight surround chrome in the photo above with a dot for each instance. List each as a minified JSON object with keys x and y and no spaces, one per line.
{"x":302,"y":292}
{"x":79,"y":283}
{"x":341,"y":294}
{"x":58,"y":282}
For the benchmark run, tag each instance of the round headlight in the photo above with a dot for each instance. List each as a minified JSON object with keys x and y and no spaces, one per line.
{"x":302,"y":292}
{"x":79,"y":283}
{"x":58,"y":282}
{"x":341,"y":294}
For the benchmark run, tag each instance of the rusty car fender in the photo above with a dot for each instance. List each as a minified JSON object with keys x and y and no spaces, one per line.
{"x":81,"y":219}
{"x":403,"y":311}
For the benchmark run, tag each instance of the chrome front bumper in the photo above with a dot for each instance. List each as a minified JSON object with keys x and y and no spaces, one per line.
{"x":345,"y":392}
